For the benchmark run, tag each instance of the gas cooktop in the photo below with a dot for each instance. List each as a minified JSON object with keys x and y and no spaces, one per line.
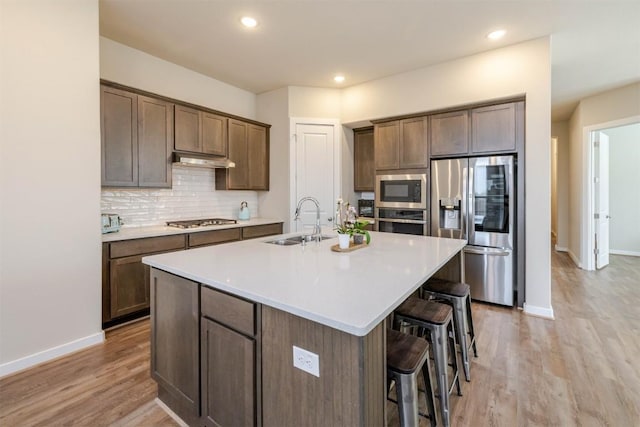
{"x":195,"y":223}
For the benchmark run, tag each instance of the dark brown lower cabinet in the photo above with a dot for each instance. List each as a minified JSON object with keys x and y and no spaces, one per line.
{"x":129,"y":285}
{"x":125,"y":280}
{"x":175,"y":339}
{"x":227,"y":370}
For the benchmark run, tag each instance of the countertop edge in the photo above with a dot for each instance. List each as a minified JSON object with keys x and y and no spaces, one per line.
{"x":161,"y":230}
{"x":355,"y":330}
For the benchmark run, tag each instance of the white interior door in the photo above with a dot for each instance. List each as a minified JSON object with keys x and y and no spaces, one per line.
{"x":315,"y":173}
{"x":601,"y":197}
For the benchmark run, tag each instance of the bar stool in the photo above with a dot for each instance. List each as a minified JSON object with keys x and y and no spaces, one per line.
{"x":458,"y":296}
{"x":437,"y":319}
{"x":406,"y":357}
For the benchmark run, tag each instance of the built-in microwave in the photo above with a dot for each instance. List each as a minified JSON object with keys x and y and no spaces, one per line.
{"x":401,"y":191}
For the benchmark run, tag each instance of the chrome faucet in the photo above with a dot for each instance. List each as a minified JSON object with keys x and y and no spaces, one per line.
{"x":316,"y":229}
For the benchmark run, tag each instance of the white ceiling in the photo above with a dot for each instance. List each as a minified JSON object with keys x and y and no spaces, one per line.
{"x":595,"y":44}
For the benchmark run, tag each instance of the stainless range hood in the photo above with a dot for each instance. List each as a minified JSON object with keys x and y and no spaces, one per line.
{"x":194,"y":160}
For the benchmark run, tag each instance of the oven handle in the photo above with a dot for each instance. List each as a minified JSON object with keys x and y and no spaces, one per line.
{"x":402,"y":221}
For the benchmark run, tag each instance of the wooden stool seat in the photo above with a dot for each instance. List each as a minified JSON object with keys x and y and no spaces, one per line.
{"x":420,"y":309}
{"x":405,"y":352}
{"x":447,"y":287}
{"x":407,"y":356}
{"x":458,"y":296}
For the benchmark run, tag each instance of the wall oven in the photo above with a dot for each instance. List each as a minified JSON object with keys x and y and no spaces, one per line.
{"x":401,"y":191}
{"x":404,"y":221}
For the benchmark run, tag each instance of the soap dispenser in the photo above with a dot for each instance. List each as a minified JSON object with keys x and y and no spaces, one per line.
{"x":244,"y":212}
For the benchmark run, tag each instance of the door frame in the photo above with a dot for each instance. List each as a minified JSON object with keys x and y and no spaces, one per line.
{"x":588,"y":188}
{"x":337,"y":158}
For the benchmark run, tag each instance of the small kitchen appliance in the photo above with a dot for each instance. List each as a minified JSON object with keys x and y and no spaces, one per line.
{"x":110,"y":223}
{"x":365,"y":208}
{"x":244,"y":214}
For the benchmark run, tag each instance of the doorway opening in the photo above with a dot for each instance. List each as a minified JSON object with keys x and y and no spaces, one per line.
{"x":613,"y":202}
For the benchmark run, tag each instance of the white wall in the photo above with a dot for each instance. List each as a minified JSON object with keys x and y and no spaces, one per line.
{"x":50,"y":252}
{"x":514,"y":70}
{"x":273,"y":108}
{"x":560,"y":130}
{"x":624,"y":191}
{"x":610,"y":106}
{"x":315,"y":103}
{"x":346,"y":173}
{"x":134,"y":68}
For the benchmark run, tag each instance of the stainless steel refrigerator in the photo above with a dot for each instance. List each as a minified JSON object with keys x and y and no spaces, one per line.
{"x":474,"y":199}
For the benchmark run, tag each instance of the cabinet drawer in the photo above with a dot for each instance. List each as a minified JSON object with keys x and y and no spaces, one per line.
{"x":261,"y":230}
{"x":228,"y":310}
{"x":214,"y":237}
{"x":147,"y":246}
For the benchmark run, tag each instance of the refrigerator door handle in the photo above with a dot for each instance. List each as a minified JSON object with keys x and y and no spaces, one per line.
{"x":487,"y":251}
{"x":465,"y":198}
{"x":470,"y":231}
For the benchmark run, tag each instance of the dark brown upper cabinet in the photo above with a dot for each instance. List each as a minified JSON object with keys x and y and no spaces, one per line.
{"x":449,"y":133}
{"x":493,"y":128}
{"x":136,"y":139}
{"x":249,"y":150}
{"x":119,"y":137}
{"x":401,"y":144}
{"x":200,"y":131}
{"x":155,"y":142}
{"x":414,"y":150}
{"x":482,"y":130}
{"x":363,"y":166}
{"x":386,"y":145}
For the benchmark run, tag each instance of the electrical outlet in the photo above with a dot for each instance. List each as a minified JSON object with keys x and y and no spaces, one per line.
{"x":306,"y":361}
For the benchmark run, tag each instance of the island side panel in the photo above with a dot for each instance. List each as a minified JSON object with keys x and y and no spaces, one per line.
{"x":175,"y":336}
{"x":350,"y":390}
{"x":374,"y":380}
{"x":453,"y":270}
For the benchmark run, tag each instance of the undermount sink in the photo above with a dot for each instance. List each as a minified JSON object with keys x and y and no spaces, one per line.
{"x":295,"y":240}
{"x":283,"y":242}
{"x":308,"y":238}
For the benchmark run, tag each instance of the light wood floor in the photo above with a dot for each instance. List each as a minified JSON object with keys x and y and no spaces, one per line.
{"x":583,"y":369}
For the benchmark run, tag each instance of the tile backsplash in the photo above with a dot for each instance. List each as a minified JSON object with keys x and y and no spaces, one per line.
{"x":193,"y":195}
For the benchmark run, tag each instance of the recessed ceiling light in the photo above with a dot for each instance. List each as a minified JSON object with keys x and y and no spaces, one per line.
{"x":339,"y":78}
{"x":248,"y":21}
{"x":495,"y":35}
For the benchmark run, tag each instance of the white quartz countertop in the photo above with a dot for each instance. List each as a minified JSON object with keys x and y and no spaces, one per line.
{"x":162,"y":230}
{"x":350,"y":291}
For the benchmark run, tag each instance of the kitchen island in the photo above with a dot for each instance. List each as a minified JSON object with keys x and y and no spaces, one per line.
{"x":226,"y":322}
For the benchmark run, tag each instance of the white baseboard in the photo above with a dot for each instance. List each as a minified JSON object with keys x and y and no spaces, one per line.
{"x":50,"y":354}
{"x":619,"y":252}
{"x":575,"y":259}
{"x":532,"y":310}
{"x":561,"y":249}
{"x":172,"y":414}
